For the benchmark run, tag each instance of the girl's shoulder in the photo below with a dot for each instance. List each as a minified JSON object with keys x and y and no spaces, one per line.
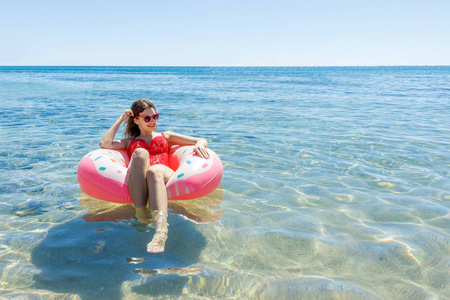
{"x":168,"y":134}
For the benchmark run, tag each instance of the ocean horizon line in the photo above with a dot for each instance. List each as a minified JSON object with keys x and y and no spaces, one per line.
{"x":224,"y":66}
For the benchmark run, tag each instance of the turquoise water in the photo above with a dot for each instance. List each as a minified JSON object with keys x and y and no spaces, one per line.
{"x":336,"y":184}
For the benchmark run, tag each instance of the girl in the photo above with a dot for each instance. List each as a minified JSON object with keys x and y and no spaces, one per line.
{"x":149,"y":163}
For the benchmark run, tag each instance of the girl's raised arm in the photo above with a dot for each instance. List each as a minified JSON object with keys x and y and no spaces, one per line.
{"x":108,"y":141}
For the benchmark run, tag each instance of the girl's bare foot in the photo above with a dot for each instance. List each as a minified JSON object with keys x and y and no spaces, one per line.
{"x":159,"y":240}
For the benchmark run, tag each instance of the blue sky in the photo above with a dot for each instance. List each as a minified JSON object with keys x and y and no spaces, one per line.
{"x":224,"y":33}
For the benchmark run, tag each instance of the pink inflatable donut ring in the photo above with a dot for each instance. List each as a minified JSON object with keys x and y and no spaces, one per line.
{"x":103,"y":174}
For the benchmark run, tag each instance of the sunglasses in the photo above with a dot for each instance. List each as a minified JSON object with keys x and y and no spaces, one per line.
{"x":149,"y":118}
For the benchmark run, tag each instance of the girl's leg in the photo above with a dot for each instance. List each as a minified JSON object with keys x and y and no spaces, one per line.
{"x":137,"y":183}
{"x":157,"y":176}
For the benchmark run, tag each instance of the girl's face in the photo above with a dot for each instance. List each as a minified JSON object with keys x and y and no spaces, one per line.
{"x":151,"y":124}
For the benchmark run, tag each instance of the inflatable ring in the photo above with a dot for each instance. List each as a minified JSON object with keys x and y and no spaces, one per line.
{"x":103,"y":174}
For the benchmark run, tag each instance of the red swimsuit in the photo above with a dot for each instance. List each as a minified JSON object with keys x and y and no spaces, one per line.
{"x":158,"y":150}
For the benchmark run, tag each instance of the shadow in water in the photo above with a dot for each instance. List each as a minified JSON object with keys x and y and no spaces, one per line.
{"x":92,"y":259}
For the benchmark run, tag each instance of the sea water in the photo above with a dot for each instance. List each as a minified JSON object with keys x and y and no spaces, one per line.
{"x":336,"y":184}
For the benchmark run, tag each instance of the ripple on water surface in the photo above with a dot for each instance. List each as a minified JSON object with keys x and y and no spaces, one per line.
{"x":336,"y":184}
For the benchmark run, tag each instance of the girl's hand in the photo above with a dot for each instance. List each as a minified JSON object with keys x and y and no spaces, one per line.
{"x":200,"y":150}
{"x":127,"y":113}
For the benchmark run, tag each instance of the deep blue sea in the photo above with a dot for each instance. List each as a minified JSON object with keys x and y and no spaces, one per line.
{"x":336,"y":184}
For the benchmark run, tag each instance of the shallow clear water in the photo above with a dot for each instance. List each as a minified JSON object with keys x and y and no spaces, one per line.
{"x":336,"y":184}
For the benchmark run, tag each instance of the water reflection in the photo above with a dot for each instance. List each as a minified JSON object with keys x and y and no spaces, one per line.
{"x":201,"y":210}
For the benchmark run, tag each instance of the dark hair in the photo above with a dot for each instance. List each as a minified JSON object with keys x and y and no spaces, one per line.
{"x":132,"y":130}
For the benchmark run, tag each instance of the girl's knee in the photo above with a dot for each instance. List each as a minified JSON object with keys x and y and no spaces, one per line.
{"x":140,"y":153}
{"x":155,"y":173}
